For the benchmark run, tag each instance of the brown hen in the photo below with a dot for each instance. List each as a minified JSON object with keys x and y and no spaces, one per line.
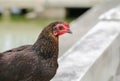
{"x":37,"y":62}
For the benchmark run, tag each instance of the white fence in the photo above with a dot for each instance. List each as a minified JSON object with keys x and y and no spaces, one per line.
{"x":96,"y":56}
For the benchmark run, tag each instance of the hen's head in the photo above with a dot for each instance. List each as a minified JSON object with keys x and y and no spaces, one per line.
{"x":59,"y":28}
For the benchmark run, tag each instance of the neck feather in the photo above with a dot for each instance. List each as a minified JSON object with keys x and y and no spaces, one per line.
{"x":46,"y":45}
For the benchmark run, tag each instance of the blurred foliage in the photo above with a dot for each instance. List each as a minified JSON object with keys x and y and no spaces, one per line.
{"x":41,"y":21}
{"x":13,"y":23}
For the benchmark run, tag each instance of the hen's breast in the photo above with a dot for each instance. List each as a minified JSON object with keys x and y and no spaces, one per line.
{"x":45,"y":70}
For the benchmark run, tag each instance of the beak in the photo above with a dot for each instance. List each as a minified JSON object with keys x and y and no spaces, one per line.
{"x":69,"y":31}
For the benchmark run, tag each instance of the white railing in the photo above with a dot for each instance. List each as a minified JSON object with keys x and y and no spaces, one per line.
{"x":95,"y":57}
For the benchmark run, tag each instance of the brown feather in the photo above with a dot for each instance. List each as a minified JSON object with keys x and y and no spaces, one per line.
{"x":37,"y":62}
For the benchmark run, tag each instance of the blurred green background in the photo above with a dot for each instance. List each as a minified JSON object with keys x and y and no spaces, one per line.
{"x":18,"y":30}
{"x":21,"y":21}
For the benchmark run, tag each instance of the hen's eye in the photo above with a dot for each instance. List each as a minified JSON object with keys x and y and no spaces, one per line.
{"x":60,"y":27}
{"x":55,"y":28}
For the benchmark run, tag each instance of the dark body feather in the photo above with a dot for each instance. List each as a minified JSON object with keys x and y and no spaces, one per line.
{"x":37,"y":62}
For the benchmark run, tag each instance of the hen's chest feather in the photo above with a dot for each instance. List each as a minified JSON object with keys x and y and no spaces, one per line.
{"x":26,"y":66}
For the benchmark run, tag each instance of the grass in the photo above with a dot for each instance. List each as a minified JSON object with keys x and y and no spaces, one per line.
{"x":17,"y":30}
{"x":19,"y":24}
{"x":14,"y":22}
